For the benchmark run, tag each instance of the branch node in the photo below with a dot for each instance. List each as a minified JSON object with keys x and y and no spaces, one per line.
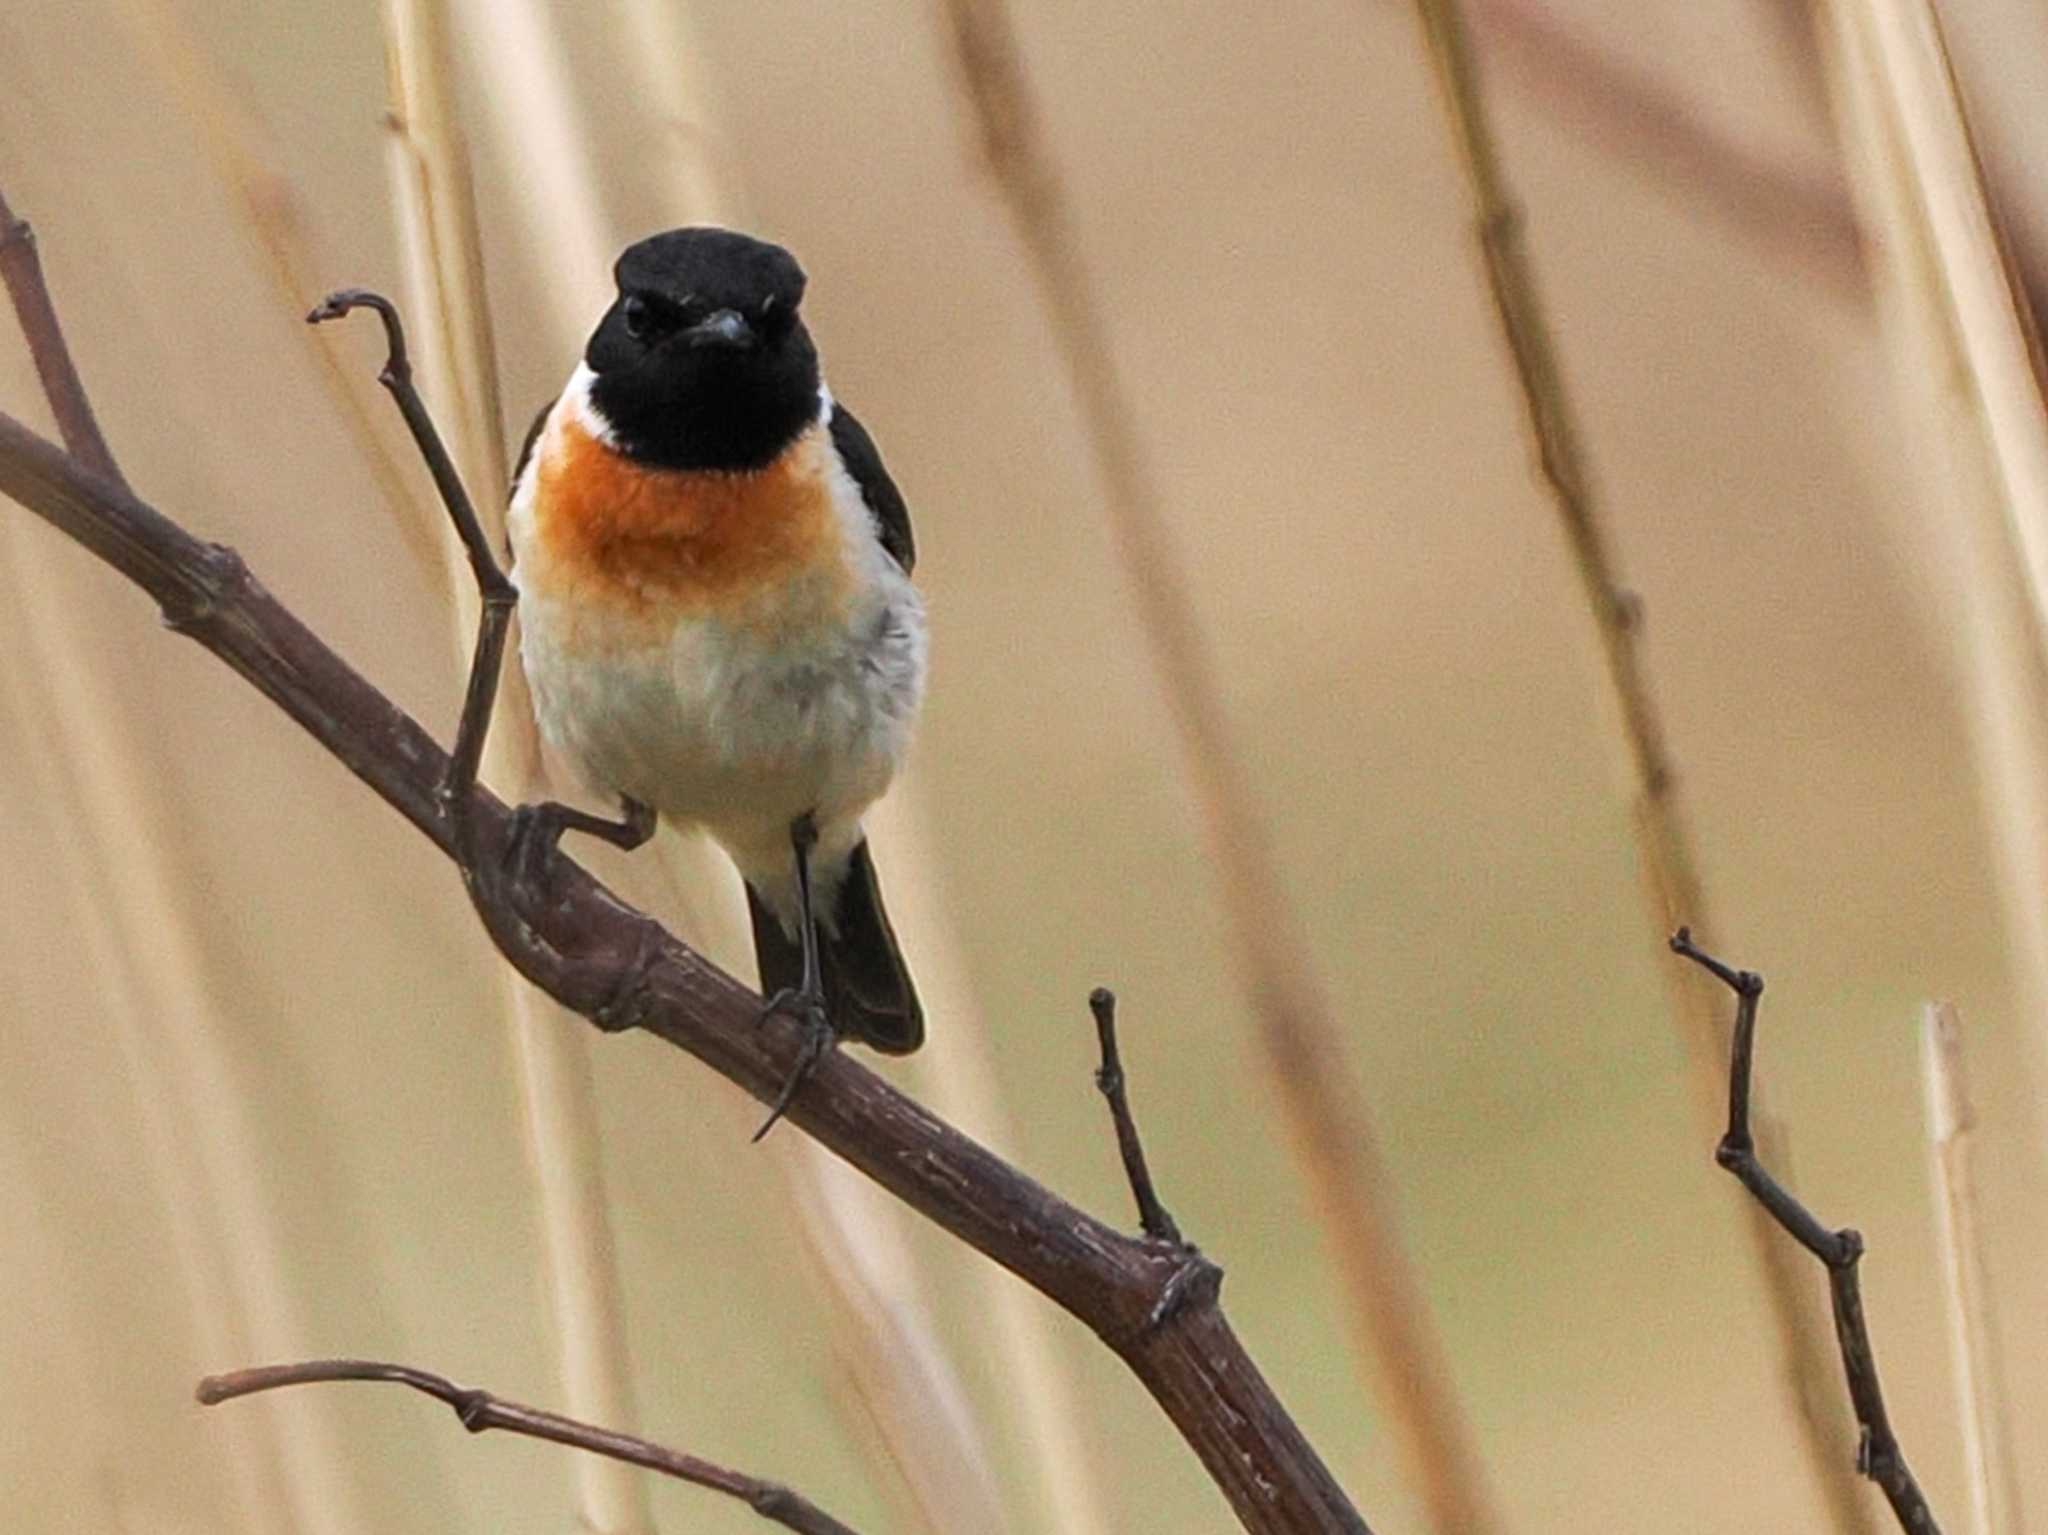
{"x":771,"y":1500}
{"x":1196,"y":1282}
{"x":222,"y":578}
{"x":627,"y":1006}
{"x":473,"y":1407}
{"x":1848,"y":1249}
{"x":1628,"y":609}
{"x":1744,"y":983}
{"x":1500,"y":223}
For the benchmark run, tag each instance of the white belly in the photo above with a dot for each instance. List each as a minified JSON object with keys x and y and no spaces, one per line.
{"x":736,"y":727}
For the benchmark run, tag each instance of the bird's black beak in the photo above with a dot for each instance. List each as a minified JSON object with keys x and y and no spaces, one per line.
{"x":724,"y":328}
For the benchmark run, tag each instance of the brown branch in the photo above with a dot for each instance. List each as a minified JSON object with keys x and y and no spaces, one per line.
{"x":1879,"y":1456}
{"x":620,"y":969}
{"x":21,"y":268}
{"x":1152,"y":1216}
{"x":480,"y":1410}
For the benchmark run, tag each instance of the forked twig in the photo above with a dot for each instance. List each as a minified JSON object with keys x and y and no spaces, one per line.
{"x":21,"y":269}
{"x":1878,"y":1456}
{"x":480,"y":1410}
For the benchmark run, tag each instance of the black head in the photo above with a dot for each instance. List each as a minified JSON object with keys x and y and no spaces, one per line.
{"x":703,"y":361}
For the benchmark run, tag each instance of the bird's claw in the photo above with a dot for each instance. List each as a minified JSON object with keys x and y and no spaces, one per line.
{"x":808,"y":1009}
{"x":530,"y":848}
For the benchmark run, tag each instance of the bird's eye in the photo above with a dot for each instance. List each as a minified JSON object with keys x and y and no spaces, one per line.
{"x":638,"y":315}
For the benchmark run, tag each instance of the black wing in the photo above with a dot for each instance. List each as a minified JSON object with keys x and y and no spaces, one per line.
{"x":863,"y":461}
{"x":526,"y":447}
{"x":519,"y":464}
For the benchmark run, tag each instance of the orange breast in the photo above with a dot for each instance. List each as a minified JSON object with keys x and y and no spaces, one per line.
{"x":669,"y":540}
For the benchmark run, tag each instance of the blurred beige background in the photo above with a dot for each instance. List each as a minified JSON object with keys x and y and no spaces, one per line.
{"x":324,"y":1154}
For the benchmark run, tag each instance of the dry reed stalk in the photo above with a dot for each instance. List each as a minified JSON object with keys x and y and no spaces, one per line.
{"x":1992,"y":319}
{"x":1803,"y":215}
{"x":662,"y":50}
{"x":246,"y":160}
{"x":1981,"y":1397}
{"x":1670,"y":865}
{"x":1929,"y":205}
{"x":1328,"y":1122}
{"x":899,"y":1372}
{"x":1964,"y":534}
{"x":135,"y":896}
{"x":445,"y":275}
{"x":1037,"y":1370}
{"x":898,"y":1363}
{"x":31,"y":709}
{"x":532,"y":110}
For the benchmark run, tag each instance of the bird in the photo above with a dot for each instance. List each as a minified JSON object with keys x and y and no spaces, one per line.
{"x":717,"y":618}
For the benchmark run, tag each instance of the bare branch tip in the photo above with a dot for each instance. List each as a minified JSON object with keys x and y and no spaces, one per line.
{"x":344,"y":301}
{"x":1744,"y":983}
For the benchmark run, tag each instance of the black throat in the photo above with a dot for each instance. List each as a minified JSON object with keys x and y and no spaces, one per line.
{"x":711,"y":408}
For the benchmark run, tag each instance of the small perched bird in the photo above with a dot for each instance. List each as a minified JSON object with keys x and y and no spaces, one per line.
{"x":717,"y":616}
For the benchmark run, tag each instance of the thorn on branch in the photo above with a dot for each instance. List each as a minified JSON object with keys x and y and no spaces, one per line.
{"x":1878,"y":1455}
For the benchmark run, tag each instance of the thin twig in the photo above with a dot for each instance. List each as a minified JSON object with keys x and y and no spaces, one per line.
{"x":1879,"y":1456}
{"x":1297,"y":1029}
{"x":1972,"y":1323}
{"x":1152,"y":1216}
{"x":481,"y":1411}
{"x":1665,"y":837}
{"x":21,"y":268}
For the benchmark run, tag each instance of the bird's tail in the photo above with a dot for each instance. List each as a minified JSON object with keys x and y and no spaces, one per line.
{"x":868,"y":991}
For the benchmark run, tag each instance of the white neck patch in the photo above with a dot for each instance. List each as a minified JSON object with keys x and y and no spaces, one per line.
{"x":578,"y":404}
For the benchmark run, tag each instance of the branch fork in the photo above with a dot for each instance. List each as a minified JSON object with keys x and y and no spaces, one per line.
{"x":574,"y":939}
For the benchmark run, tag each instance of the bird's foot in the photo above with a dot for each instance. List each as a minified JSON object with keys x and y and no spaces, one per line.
{"x":530,"y":849}
{"x":537,"y":834}
{"x":808,"y":1009}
